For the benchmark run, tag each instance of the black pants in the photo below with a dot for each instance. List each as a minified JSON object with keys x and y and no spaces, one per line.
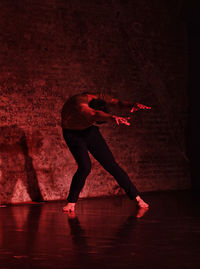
{"x":90,"y":139}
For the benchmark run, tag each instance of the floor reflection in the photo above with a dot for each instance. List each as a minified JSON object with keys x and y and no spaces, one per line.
{"x":104,"y":233}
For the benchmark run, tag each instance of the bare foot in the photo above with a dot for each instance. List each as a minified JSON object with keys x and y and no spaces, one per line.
{"x":70,"y":207}
{"x":141,"y":212}
{"x":141,"y":203}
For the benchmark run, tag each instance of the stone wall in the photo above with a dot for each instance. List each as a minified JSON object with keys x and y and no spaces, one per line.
{"x":50,"y":49}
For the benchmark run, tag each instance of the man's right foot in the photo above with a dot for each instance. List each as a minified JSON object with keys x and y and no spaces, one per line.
{"x":70,"y":207}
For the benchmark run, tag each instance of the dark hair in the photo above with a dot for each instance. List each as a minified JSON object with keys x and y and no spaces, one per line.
{"x":98,"y":104}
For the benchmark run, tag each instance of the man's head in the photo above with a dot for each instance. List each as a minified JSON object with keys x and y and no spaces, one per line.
{"x":98,"y":104}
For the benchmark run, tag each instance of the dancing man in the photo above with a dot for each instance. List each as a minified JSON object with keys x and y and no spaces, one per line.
{"x":81,"y":115}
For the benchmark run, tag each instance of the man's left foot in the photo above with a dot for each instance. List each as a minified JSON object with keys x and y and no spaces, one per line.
{"x":141,"y":203}
{"x":141,"y":212}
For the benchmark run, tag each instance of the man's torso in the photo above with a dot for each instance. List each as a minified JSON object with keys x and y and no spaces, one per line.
{"x":72,"y":118}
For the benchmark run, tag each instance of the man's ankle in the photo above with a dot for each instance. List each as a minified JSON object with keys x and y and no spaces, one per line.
{"x":138,"y":198}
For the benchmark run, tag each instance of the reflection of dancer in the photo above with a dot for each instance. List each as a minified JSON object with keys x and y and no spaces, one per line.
{"x":80,"y":114}
{"x":111,"y":247}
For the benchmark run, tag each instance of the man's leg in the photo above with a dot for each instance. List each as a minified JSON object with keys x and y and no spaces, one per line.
{"x":79,"y":150}
{"x":101,"y":152}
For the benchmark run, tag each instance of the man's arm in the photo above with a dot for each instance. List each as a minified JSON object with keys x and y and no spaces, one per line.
{"x":114,"y":101}
{"x":123,"y":104}
{"x":98,"y":115}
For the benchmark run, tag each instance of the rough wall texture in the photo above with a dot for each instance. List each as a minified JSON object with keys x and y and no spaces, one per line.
{"x":50,"y":49}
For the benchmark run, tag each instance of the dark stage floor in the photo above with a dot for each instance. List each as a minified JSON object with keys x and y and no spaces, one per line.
{"x":105,"y":233}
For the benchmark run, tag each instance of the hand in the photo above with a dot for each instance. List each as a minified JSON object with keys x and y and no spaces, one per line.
{"x":122,"y":120}
{"x":139,"y":106}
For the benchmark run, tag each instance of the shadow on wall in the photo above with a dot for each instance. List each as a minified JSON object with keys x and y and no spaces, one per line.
{"x":16,"y":167}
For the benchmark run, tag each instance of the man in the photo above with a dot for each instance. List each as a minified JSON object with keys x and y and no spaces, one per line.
{"x":80,"y":116}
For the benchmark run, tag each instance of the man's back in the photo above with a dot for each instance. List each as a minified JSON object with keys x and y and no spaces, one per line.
{"x":72,"y":113}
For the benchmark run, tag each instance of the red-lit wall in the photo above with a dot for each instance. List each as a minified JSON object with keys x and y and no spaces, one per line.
{"x":53,"y":48}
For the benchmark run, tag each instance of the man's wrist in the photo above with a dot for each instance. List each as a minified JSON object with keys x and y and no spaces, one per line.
{"x":113,"y":117}
{"x":125,"y":104}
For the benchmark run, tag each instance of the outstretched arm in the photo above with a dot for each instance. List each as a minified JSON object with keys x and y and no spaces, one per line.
{"x":115,"y":102}
{"x":98,"y":115}
{"x":123,"y":104}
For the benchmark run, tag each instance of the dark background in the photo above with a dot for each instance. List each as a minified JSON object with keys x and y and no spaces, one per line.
{"x":193,"y":15}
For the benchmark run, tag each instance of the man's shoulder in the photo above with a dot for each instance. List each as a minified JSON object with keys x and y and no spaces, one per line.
{"x":76,"y":98}
{"x":85,"y":98}
{"x":82,"y":98}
